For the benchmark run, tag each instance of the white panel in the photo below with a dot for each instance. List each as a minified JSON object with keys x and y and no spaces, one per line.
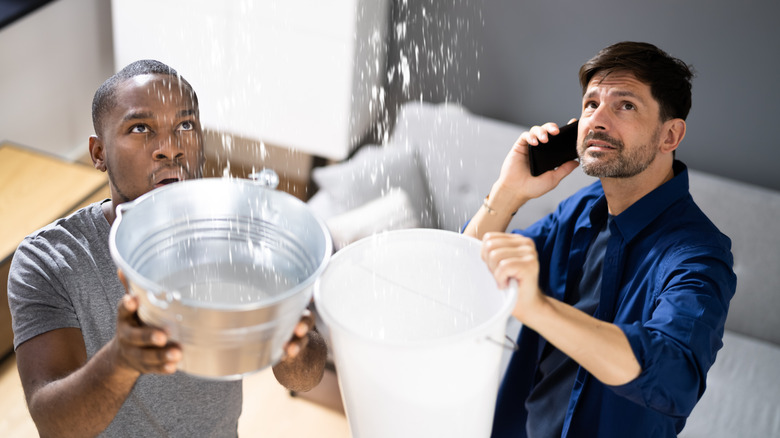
{"x":279,"y":71}
{"x":299,"y":100}
{"x":190,"y":38}
{"x":314,"y":17}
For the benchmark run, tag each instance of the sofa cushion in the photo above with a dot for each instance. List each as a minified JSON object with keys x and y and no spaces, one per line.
{"x":459,"y":158}
{"x":372,"y":173}
{"x":393,"y":211}
{"x":741,"y":398}
{"x":461,"y":154}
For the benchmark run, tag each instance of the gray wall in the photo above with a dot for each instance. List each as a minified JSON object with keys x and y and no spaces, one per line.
{"x":518,"y":60}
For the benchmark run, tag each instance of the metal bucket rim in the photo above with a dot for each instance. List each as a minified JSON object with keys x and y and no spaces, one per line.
{"x":152,"y":288}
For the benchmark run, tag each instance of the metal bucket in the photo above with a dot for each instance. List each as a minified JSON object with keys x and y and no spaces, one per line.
{"x":226,"y":266}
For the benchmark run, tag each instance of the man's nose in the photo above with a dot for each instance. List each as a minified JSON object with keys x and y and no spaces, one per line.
{"x":600,"y":119}
{"x":168,"y":148}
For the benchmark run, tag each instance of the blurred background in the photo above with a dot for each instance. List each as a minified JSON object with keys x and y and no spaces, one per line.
{"x":285,"y":83}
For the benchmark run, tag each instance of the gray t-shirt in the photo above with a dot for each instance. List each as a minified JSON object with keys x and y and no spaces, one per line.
{"x":63,"y":276}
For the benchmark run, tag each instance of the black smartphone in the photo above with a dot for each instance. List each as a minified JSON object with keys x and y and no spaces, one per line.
{"x":559,"y":149}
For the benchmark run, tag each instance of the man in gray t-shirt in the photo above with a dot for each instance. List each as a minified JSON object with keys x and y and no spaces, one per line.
{"x":87,"y":364}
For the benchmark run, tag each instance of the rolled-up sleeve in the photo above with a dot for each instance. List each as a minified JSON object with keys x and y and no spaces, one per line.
{"x":678,"y":343}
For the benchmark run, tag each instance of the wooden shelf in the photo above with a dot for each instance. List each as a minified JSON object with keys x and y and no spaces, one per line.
{"x":35,"y":190}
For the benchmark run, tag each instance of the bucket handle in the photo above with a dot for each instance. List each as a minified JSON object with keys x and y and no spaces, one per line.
{"x":512,"y":289}
{"x":511,"y":346}
{"x":266,"y":178}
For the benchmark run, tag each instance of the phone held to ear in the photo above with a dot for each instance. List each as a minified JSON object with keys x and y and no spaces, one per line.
{"x":559,"y":149}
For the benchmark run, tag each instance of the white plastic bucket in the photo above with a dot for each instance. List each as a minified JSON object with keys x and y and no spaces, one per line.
{"x":417,"y":328}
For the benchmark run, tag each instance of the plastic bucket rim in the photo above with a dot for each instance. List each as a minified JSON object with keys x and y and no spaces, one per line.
{"x":509,"y":299}
{"x":150,"y":287}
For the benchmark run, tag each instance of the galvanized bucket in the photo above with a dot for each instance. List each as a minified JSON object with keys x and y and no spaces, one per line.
{"x":226,"y":266}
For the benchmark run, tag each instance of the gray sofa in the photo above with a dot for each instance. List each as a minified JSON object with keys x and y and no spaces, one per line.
{"x":441,"y":161}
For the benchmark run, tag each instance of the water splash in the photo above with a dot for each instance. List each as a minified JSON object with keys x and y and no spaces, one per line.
{"x":433,"y":53}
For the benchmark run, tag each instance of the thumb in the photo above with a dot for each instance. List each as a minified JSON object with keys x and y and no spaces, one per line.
{"x":128,"y":306}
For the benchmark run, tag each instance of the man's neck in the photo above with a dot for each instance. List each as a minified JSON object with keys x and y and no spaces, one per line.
{"x":108,"y":211}
{"x":622,"y":193}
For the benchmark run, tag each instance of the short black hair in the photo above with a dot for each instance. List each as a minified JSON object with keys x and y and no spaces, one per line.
{"x":106,"y":94}
{"x":669,"y":78}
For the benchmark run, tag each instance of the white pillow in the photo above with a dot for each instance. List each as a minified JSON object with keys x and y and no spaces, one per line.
{"x":372,"y":173}
{"x":389,"y":212}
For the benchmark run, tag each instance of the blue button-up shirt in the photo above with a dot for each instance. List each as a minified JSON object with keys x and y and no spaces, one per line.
{"x":667,"y":282}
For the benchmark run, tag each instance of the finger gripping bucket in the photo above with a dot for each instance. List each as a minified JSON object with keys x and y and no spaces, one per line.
{"x":417,"y":328}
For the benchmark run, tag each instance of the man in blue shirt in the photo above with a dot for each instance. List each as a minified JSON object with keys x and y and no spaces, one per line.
{"x":623,"y":291}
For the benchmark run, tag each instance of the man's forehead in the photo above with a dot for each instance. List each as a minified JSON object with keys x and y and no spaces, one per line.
{"x":156,"y":80}
{"x":620,"y":83}
{"x":154,"y":89}
{"x":618,"y":78}
{"x":155,"y":85}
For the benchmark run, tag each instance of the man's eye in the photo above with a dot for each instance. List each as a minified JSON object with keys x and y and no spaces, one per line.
{"x":591,"y":105}
{"x":186,"y":126}
{"x":629,"y":106}
{"x":140,"y":129}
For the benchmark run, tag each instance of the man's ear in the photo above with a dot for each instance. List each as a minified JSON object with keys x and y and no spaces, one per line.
{"x":673,"y":133}
{"x":97,"y":151}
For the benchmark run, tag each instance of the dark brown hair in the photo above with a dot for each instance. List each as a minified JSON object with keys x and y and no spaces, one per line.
{"x":669,"y":78}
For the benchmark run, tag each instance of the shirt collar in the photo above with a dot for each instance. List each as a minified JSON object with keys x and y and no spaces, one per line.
{"x":644,"y":211}
{"x":597,"y":215}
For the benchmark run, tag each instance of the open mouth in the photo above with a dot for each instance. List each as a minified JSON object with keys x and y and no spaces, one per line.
{"x":166,"y":181}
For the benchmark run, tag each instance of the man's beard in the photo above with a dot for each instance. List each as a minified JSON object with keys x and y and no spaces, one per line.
{"x":625,"y":164}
